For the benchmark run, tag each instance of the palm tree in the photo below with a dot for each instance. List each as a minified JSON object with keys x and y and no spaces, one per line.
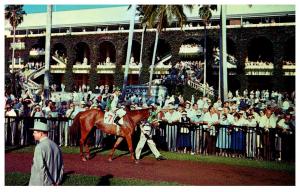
{"x":14,"y":13}
{"x":205,"y":14}
{"x":161,"y":16}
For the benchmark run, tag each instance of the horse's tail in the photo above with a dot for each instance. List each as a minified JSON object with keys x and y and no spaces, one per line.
{"x":75,"y":130}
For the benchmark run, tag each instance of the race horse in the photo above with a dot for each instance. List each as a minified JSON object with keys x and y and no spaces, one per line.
{"x":85,"y":121}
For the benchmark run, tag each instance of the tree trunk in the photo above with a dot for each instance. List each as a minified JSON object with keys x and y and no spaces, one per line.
{"x":13,"y":79}
{"x":141,"y":52}
{"x":204,"y":71}
{"x":223,"y":59}
{"x":131,"y":29}
{"x":13,"y":51}
{"x":152,"y":64}
{"x":47,"y":52}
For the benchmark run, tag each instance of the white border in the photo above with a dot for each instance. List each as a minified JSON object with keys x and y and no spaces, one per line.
{"x":146,"y":189}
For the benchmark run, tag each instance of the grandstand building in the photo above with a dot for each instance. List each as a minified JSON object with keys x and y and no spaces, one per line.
{"x":89,"y":47}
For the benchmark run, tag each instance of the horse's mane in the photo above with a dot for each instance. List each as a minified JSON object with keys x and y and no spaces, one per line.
{"x":134,"y":111}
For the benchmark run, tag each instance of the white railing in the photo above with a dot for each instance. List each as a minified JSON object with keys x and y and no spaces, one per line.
{"x":58,"y":60}
{"x":201,"y":87}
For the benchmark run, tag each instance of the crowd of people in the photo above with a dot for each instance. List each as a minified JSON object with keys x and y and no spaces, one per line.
{"x":202,"y":118}
{"x":184,"y":71}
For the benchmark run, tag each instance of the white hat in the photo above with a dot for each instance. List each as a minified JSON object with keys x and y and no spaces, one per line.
{"x":39,"y":126}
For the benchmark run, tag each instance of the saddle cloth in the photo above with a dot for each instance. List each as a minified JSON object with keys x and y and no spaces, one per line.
{"x":109,"y":118}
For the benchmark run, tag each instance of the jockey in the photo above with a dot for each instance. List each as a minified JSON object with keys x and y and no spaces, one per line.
{"x":120,"y":112}
{"x":115,"y":100}
{"x":117,"y":107}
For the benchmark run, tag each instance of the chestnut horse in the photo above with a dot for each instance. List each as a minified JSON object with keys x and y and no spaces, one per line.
{"x":86,"y":120}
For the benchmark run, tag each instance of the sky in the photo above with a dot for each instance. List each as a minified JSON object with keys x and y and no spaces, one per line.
{"x":43,"y":8}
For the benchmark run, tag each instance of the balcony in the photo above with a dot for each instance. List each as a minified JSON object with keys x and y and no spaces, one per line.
{"x":190,"y":50}
{"x":81,"y":68}
{"x":36,"y":52}
{"x":19,"y":64}
{"x":289,"y":68}
{"x":259,"y":68}
{"x":16,"y":67}
{"x":107,"y":68}
{"x":162,"y":69}
{"x":133,"y":68}
{"x":59,"y":68}
{"x":17,"y":45}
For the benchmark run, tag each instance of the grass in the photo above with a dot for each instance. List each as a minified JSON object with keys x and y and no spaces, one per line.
{"x":22,"y":179}
{"x":279,"y":166}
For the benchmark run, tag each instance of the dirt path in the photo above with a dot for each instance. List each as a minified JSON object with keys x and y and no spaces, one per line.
{"x":183,"y":172}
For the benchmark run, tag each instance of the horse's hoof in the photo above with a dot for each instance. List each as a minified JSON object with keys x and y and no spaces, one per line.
{"x":83,"y":159}
{"x":109,"y":160}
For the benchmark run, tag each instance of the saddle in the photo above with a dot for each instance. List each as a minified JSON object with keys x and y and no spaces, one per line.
{"x":109,"y":118}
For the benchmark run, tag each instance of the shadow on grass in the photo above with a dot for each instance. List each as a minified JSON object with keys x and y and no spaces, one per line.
{"x":67,"y":176}
{"x":147,"y":153}
{"x":105,"y":180}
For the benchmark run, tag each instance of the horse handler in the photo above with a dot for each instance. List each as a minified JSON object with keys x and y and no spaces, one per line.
{"x":146,"y":135}
{"x":47,"y":167}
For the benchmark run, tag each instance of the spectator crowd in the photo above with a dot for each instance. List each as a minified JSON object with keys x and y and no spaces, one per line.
{"x":253,"y":124}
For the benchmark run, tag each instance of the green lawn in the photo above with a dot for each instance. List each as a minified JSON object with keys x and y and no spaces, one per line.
{"x":280,"y":166}
{"x":21,"y":179}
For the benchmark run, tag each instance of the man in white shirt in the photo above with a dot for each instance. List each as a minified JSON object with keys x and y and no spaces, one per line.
{"x":171,"y":117}
{"x":210,"y":118}
{"x":10,"y":112}
{"x":268,"y":123}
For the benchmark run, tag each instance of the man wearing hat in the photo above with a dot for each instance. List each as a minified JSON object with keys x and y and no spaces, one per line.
{"x":47,"y":167}
{"x":146,"y":135}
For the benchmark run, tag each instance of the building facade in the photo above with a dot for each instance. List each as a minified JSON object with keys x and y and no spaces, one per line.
{"x":262,"y":45}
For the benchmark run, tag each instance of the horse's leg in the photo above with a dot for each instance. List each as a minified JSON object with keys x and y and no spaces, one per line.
{"x":81,"y":143}
{"x":129,"y":143}
{"x":119,"y":140}
{"x":87,"y":151}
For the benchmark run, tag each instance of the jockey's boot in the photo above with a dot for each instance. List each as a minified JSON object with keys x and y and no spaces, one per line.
{"x":116,"y":121}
